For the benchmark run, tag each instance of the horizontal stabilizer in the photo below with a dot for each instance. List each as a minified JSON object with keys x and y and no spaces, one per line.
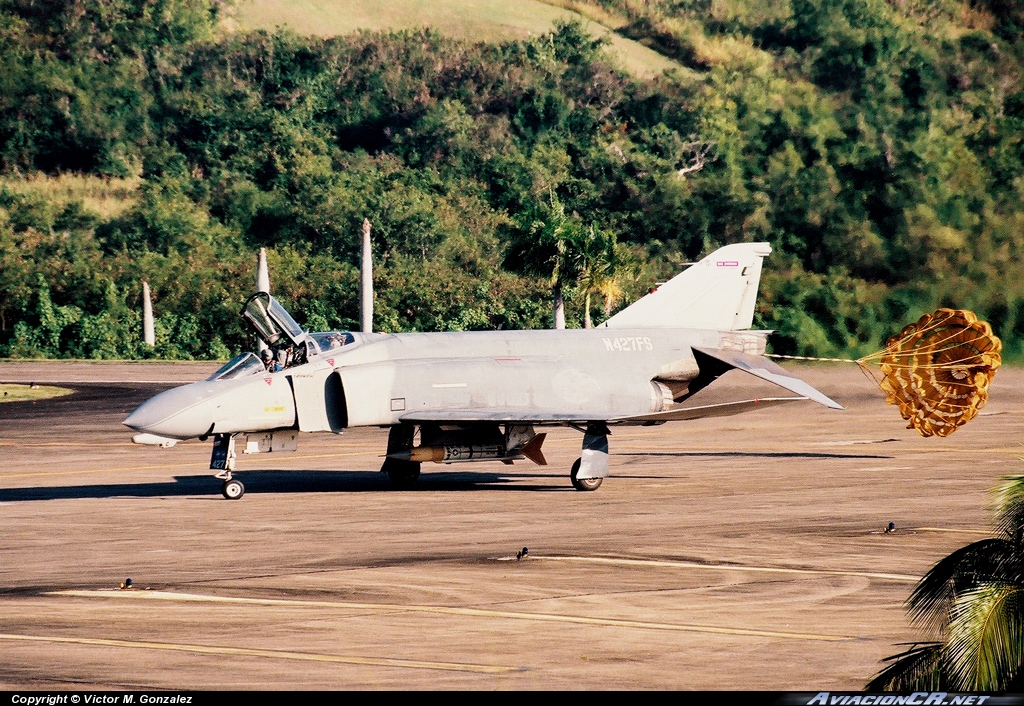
{"x":767,"y":370}
{"x":723,"y":409}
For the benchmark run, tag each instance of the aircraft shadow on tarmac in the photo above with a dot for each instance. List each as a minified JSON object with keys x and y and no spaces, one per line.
{"x":257,"y":482}
{"x":276,"y":481}
{"x":749,"y":454}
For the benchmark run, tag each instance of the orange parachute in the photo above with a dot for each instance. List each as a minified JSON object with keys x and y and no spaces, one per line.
{"x":937,"y":371}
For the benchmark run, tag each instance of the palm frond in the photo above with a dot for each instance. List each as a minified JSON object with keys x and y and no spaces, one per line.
{"x":917,"y":669}
{"x":1010,"y":506}
{"x":981,"y":562}
{"x":985,"y":639}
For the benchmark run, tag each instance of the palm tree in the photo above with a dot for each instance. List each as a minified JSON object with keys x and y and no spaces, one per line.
{"x":596,"y":257}
{"x":604,"y":266}
{"x":974,"y":598}
{"x":552,"y":247}
{"x":563,"y":235}
{"x":623,"y":266}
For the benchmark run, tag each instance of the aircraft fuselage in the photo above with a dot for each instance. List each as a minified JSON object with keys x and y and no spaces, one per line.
{"x":383,"y":379}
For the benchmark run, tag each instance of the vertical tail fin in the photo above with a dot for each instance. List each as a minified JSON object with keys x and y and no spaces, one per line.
{"x":719,"y":293}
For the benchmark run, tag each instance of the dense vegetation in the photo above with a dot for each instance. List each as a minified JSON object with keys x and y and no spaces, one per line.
{"x":877,"y":145}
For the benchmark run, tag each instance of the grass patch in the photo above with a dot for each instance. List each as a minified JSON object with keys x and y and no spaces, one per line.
{"x":473,"y":20}
{"x":107,"y":197}
{"x":10,"y":392}
{"x":597,"y":13}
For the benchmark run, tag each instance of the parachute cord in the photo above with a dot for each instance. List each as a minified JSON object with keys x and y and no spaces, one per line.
{"x":804,"y":357}
{"x":932,"y":348}
{"x":862,"y":363}
{"x":868,"y":372}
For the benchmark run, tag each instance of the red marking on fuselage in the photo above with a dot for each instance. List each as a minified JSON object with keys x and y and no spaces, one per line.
{"x":330,"y":362}
{"x":268,"y":380}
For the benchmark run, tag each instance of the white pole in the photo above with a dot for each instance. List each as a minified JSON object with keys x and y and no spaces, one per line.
{"x":148,"y":329}
{"x":366,"y":281}
{"x":559,"y":309}
{"x":262,"y":283}
{"x":262,"y":274}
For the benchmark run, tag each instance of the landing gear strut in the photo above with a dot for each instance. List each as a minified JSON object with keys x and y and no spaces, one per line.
{"x":592,"y":466}
{"x":223,"y":461}
{"x":402,"y":474}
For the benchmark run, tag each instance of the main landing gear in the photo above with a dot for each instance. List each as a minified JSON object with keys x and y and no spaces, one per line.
{"x":591,"y":468}
{"x":583,"y":483}
{"x":487,"y":442}
{"x":401,"y":474}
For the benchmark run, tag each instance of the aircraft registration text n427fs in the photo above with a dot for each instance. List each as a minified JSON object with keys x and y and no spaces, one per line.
{"x":479,"y":396}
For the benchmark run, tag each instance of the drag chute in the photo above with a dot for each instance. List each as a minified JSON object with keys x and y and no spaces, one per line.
{"x":937,"y":371}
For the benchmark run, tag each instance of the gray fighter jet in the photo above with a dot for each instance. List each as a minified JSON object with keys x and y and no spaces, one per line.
{"x":479,"y":396}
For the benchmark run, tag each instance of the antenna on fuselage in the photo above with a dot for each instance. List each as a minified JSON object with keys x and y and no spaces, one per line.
{"x":366,"y":281}
{"x":263,"y":283}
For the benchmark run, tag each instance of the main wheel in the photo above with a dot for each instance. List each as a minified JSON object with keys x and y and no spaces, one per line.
{"x":232,"y":489}
{"x":583,"y":483}
{"x":402,"y":474}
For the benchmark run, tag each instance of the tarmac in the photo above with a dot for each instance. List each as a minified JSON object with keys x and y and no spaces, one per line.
{"x":739,"y":553}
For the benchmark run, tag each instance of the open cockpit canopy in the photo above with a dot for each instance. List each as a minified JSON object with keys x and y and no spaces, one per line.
{"x":273,"y":324}
{"x":290,"y":345}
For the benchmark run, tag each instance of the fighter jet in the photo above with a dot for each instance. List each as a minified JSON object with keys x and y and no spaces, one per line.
{"x":480,"y":396}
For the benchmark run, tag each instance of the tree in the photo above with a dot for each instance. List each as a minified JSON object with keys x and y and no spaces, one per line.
{"x":550,"y":247}
{"x":562,"y":235}
{"x":603,"y":266}
{"x":975,"y":598}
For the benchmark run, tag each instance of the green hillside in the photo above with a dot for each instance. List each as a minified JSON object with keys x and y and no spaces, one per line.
{"x":878,"y":146}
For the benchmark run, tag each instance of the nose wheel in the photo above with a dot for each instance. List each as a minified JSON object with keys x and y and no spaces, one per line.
{"x":232,"y":489}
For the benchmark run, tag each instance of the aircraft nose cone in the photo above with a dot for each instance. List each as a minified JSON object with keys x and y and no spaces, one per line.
{"x":180,"y":413}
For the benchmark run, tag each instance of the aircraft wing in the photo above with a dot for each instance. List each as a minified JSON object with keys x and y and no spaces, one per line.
{"x":723,"y":409}
{"x":533,"y":416}
{"x":765,"y":369}
{"x":504,"y":414}
{"x":755,"y":365}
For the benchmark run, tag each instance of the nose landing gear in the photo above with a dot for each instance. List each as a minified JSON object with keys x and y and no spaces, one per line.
{"x":223,"y":461}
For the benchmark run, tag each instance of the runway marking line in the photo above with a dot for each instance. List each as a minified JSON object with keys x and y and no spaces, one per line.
{"x":982,"y":533}
{"x":33,"y":444}
{"x":464,"y":612}
{"x":668,"y":563}
{"x":271,"y":654}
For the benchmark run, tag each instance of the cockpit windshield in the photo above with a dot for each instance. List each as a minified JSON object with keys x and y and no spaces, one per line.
{"x":332,"y":340}
{"x":271,"y":320}
{"x":239,"y":366}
